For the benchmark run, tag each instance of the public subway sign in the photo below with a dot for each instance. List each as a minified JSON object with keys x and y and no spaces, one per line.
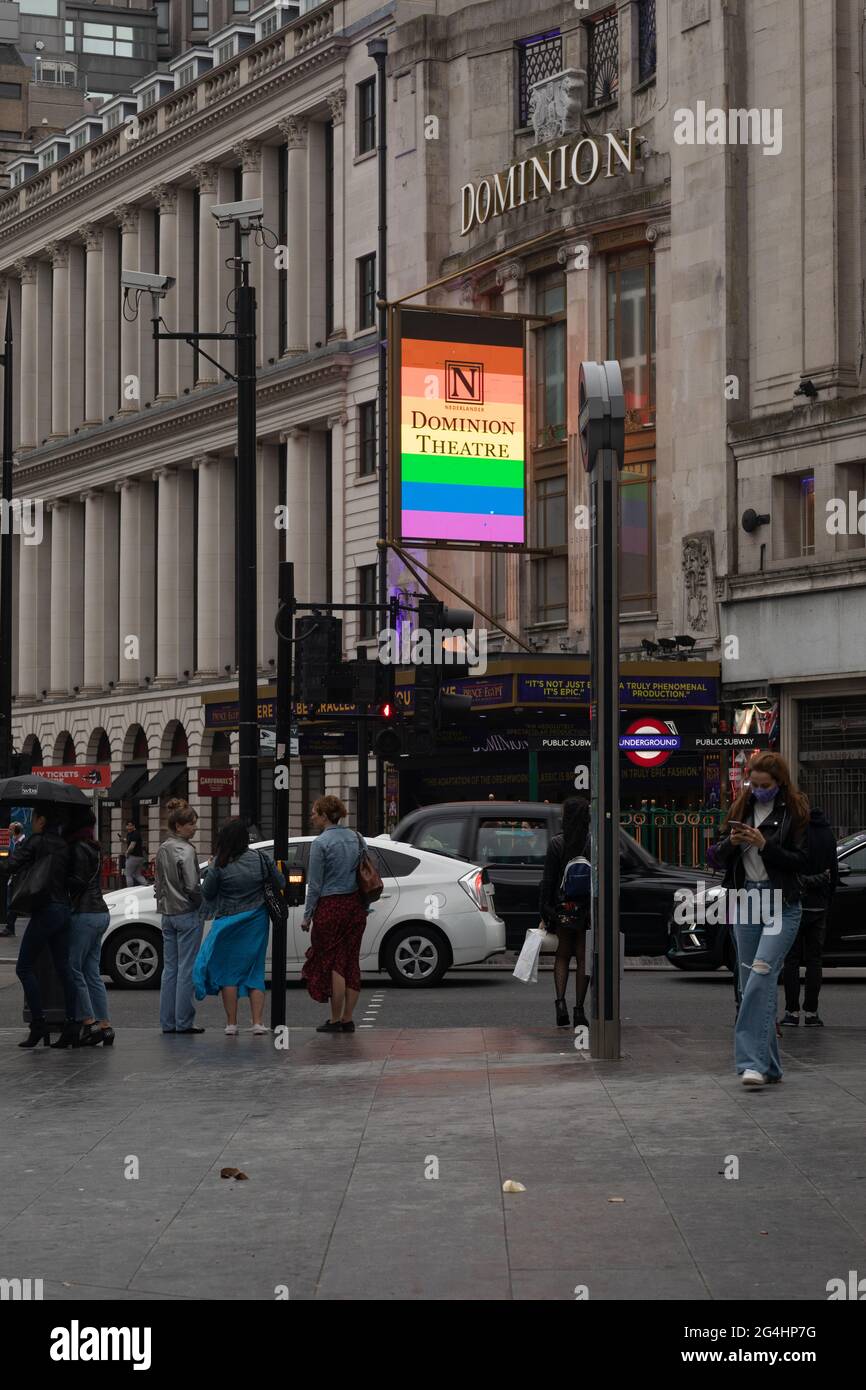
{"x":574,"y":164}
{"x":458,"y":428}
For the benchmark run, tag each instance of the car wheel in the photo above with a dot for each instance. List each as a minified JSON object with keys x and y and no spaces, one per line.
{"x":416,"y":957}
{"x":133,"y":957}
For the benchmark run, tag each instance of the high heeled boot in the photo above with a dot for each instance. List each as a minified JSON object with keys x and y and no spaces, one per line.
{"x":70,"y":1036}
{"x":38,"y":1033}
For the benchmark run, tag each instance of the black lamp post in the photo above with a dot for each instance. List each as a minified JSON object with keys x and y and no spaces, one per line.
{"x":6,"y":560}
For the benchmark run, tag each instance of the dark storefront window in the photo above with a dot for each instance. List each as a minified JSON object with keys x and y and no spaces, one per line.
{"x":550,"y":396}
{"x":367,"y":439}
{"x":537,"y":58}
{"x":550,"y":589}
{"x":603,"y":71}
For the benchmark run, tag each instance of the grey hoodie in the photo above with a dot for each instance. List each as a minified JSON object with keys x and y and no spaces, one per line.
{"x":178,"y":888}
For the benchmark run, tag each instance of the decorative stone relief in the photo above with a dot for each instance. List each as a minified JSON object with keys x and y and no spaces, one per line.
{"x":513,"y":271}
{"x":295,"y":130}
{"x":556,"y":104}
{"x":698,"y":565}
{"x":337,"y":103}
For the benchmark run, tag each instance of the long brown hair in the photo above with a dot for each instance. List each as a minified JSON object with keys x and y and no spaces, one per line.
{"x":777,"y":768}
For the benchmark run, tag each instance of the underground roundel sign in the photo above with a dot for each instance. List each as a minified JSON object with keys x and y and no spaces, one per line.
{"x":648,"y":742}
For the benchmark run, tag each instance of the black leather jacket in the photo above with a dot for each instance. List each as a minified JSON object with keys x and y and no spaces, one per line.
{"x":33,"y":848}
{"x":84,"y":892}
{"x":785,"y":854}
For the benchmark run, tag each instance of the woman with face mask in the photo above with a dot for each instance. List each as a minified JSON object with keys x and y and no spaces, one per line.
{"x":763,"y":850}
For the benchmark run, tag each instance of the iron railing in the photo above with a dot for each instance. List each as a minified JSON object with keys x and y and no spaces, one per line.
{"x":676,"y":837}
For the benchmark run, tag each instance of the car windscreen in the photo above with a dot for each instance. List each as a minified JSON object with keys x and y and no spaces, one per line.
{"x":511,"y":840}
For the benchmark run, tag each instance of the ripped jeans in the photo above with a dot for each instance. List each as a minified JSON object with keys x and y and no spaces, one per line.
{"x":756,"y":1047}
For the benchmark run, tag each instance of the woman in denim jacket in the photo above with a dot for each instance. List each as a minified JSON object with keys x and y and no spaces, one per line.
{"x":231,"y":961}
{"x":335,"y":910}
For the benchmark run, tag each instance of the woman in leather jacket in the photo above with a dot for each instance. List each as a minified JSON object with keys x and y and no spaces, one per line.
{"x":88,"y":923}
{"x":763,"y":851}
{"x":49,"y":920}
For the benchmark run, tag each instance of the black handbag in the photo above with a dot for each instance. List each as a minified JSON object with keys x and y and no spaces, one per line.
{"x":30,"y":889}
{"x":275,"y":903}
{"x":368,"y":878}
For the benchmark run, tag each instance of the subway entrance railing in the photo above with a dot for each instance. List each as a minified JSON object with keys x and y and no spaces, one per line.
{"x":677,"y":837}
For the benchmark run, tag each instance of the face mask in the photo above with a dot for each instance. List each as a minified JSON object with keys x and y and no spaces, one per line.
{"x":764,"y":794}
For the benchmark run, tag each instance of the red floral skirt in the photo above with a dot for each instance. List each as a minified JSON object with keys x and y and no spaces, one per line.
{"x":335,"y":944}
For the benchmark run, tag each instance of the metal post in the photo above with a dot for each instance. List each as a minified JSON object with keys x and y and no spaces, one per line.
{"x":602,"y":413}
{"x":246,"y":604}
{"x":363,"y":770}
{"x":282,"y":773}
{"x":6,"y":560}
{"x":378,"y":51}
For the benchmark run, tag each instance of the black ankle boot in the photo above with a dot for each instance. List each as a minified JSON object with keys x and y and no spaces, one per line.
{"x":580,"y":1018}
{"x":71,"y":1035}
{"x":98,"y":1035}
{"x":38,"y":1033}
{"x":561,"y":1013}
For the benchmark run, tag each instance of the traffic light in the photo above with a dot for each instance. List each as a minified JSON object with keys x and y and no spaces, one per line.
{"x":388,"y":742}
{"x":318,"y":658}
{"x":440,"y":636}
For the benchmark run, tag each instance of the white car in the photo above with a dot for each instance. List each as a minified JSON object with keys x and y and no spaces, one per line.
{"x":435,"y":912}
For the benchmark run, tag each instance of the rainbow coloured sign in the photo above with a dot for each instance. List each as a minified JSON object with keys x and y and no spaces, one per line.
{"x":459,"y":429}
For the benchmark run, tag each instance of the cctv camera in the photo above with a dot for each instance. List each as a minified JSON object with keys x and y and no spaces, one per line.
{"x":246,"y":214}
{"x":141,"y":280}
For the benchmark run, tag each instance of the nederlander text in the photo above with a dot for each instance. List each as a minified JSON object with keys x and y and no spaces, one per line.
{"x":578,"y":163}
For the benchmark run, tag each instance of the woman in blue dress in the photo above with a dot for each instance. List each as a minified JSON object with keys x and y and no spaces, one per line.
{"x":231,"y":960}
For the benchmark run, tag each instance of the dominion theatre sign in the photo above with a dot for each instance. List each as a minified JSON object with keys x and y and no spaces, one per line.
{"x":577,"y":162}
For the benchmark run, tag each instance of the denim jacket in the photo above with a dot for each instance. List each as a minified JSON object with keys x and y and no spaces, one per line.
{"x":334,"y":857}
{"x":239,"y":886}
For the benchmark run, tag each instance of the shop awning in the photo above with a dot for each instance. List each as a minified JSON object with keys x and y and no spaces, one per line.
{"x":125,"y":783}
{"x":160,"y":783}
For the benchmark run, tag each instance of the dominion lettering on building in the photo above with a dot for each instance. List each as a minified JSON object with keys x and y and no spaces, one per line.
{"x":577,"y":162}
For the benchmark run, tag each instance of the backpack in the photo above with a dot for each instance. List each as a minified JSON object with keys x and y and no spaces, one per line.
{"x":576,"y":884}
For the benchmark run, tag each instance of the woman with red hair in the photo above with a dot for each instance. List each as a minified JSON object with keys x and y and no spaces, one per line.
{"x":763,"y":850}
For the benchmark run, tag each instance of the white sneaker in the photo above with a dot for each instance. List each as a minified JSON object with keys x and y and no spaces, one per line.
{"x":231,"y":1029}
{"x":258,"y":1029}
{"x":753,"y":1078}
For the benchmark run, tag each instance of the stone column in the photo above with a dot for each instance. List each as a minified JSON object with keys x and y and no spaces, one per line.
{"x":297,"y":508}
{"x":337,"y":559}
{"x":295,"y":129}
{"x":249,"y":155}
{"x":268,"y":545}
{"x":67,"y":597}
{"x":578,"y":260}
{"x":127,"y":218}
{"x":510,"y":280}
{"x":205,"y":176}
{"x":669,"y":570}
{"x":175,"y":575}
{"x":337,"y":103}
{"x":29,"y":348}
{"x":92,"y":236}
{"x":100,"y":589}
{"x":165,"y":197}
{"x":34,"y":610}
{"x":137,"y":588}
{"x":216,"y":565}
{"x":58,"y":253}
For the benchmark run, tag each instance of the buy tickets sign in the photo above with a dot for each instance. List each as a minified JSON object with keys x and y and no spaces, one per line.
{"x":93,"y":777}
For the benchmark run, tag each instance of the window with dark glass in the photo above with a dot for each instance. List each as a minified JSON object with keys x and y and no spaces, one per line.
{"x":603,"y":67}
{"x":550,"y":590}
{"x":201,"y":14}
{"x":283,"y":234}
{"x":366,"y":115}
{"x":537,"y":57}
{"x":367,"y":291}
{"x":637,"y":546}
{"x":10,"y":91}
{"x":550,"y":396}
{"x":646,"y":39}
{"x":329,"y":228}
{"x":367,"y":439}
{"x":367,"y":594}
{"x":631,"y":329}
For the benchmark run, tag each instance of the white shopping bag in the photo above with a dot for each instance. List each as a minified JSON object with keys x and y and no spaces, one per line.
{"x":526,"y":968}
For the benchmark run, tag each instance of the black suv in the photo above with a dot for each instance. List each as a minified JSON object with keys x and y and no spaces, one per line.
{"x":510,"y":839}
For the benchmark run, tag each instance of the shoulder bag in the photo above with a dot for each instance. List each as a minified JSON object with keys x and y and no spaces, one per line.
{"x":275,"y":903}
{"x":370,"y":885}
{"x":30,"y":889}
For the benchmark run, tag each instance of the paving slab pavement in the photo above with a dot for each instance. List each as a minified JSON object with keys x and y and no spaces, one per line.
{"x":376,"y":1163}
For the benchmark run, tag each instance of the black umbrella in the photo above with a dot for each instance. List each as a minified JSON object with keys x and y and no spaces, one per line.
{"x":26,"y":791}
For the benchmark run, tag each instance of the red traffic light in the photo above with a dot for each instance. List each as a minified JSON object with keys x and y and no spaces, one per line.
{"x":386,"y":711}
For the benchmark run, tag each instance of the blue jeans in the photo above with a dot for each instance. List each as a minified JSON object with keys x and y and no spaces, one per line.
{"x":756,"y":1047}
{"x":181,"y":938}
{"x":85,"y":950}
{"x":48,"y":927}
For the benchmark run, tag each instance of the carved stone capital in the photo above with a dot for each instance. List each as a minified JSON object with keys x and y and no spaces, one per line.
{"x":512,"y":273}
{"x":27,"y":271}
{"x":58,"y":254}
{"x":337,"y":103}
{"x":165,"y":197}
{"x":574,"y":255}
{"x":249,"y":155}
{"x":127,"y":217}
{"x":126,"y":485}
{"x":658,"y":234}
{"x":337,"y":420}
{"x":91,"y":233}
{"x":295,"y":129}
{"x":205,"y":177}
{"x":202,"y":460}
{"x":57,"y":504}
{"x":469,"y":292}
{"x":295,"y":433}
{"x":168,"y":470}
{"x":91,"y":494}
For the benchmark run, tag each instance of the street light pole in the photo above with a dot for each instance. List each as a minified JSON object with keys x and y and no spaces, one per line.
{"x":247,"y":609}
{"x":6,"y":560}
{"x":378,"y":51}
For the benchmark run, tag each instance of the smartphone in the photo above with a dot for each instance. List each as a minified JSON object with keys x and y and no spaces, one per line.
{"x":744,"y":825}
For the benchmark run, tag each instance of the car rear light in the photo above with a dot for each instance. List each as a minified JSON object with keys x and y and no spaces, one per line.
{"x":473,"y":884}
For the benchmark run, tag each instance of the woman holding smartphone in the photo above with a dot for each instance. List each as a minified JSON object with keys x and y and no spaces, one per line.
{"x":763,"y":850}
